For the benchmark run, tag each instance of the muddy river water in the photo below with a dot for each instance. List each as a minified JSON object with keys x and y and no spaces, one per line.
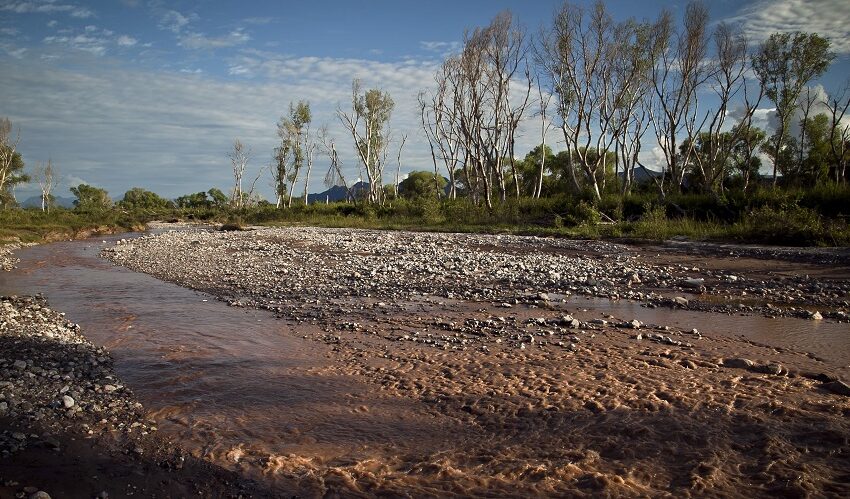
{"x":229,"y":382}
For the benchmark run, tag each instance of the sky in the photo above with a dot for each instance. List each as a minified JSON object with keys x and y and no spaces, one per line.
{"x":152,"y":93}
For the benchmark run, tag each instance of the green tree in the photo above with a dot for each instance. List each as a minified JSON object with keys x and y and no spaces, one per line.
{"x":421,"y":184}
{"x":91,"y":198}
{"x":219,"y":199}
{"x":785,"y":63}
{"x":141,"y":199}
{"x":196,"y":200}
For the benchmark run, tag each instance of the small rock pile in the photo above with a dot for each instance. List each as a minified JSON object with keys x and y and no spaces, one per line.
{"x":54,"y":381}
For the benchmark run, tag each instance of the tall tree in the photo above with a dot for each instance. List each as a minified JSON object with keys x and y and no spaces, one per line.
{"x":677,"y":78}
{"x":785,"y":63}
{"x":239,"y":157}
{"x":46,"y":177}
{"x":837,"y":104}
{"x":11,"y":163}
{"x":368,"y":124}
{"x":296,"y":148}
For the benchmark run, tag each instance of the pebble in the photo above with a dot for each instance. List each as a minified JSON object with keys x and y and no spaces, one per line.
{"x":67,"y":401}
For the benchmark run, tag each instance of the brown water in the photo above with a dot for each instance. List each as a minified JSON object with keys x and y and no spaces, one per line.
{"x":228,"y":382}
{"x":246,"y":390}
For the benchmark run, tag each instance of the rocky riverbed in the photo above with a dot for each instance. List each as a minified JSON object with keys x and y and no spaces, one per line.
{"x":70,"y":428}
{"x":538,"y":394}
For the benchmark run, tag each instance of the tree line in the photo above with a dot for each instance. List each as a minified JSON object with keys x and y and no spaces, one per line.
{"x":610,"y":89}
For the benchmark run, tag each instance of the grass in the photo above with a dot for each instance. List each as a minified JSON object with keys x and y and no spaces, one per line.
{"x":798,"y":217}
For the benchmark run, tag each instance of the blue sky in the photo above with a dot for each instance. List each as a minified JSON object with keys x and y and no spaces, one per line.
{"x":152,"y":93}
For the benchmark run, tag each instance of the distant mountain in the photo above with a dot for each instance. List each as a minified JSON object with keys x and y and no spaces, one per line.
{"x":35,"y":202}
{"x":337,"y":193}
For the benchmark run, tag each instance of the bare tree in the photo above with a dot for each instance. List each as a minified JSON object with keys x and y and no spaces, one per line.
{"x":677,"y":77}
{"x":367,"y":124}
{"x":239,"y":157}
{"x":45,"y":176}
{"x":711,"y":151}
{"x":334,"y":176}
{"x":597,"y":69}
{"x":398,"y":162}
{"x":839,"y":142}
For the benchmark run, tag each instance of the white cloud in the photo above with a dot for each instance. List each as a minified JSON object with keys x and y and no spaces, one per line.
{"x":91,"y":44}
{"x":200,"y":41}
{"x":9,"y":31}
{"x":52,"y":23}
{"x":174,"y":21}
{"x":126,"y":41}
{"x":46,"y":7}
{"x":13,"y":51}
{"x":442,"y":48}
{"x":830,"y":18}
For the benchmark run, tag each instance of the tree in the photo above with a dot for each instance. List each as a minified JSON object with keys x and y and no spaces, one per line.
{"x":837,"y":105}
{"x":598,"y":71}
{"x":196,"y":200}
{"x":47,"y":179}
{"x":239,"y":157}
{"x":712,"y":157}
{"x":91,"y":198}
{"x":368,"y":125}
{"x":785,"y":63}
{"x":141,"y":199}
{"x":744,"y":159}
{"x":296,"y":146}
{"x":676,"y":79}
{"x":11,"y":163}
{"x":422,"y":184}
{"x":219,"y":199}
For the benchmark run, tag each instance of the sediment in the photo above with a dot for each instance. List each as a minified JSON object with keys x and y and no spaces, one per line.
{"x":540,"y":400}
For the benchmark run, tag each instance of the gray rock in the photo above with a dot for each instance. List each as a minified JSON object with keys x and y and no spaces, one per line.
{"x":20,"y":365}
{"x":67,"y":401}
{"x":738,"y":363}
{"x":40,"y":495}
{"x":816,"y":316}
{"x":681,"y":300}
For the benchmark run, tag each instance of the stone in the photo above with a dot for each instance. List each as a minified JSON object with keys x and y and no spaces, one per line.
{"x":40,"y":495}
{"x":693,"y":283}
{"x":837,"y":387}
{"x":681,"y":300}
{"x":20,"y":365}
{"x":635,"y":324}
{"x":738,"y":363}
{"x":109,"y":388}
{"x":816,"y":316}
{"x":67,"y":401}
{"x":775,"y":369}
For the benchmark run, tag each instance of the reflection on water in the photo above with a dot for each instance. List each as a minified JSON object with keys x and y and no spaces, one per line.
{"x":218,"y":377}
{"x":827,"y":340}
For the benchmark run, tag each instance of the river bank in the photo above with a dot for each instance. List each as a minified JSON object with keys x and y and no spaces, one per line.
{"x":71,"y":428}
{"x":539,"y":391}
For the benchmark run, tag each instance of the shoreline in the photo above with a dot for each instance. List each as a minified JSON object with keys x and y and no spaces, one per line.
{"x":72,"y":429}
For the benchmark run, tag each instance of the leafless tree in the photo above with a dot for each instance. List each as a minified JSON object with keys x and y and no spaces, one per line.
{"x":727,"y":78}
{"x":677,"y":77}
{"x":334,"y":176}
{"x":398,"y":162}
{"x":45,"y":176}
{"x":239,"y":157}
{"x":838,"y":104}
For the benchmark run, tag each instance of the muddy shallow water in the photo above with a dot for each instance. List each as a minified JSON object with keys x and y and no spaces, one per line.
{"x":362,"y":413}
